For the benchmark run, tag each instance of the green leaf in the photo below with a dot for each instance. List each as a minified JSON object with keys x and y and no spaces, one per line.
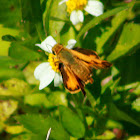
{"x":37,"y":124}
{"x":7,"y":62}
{"x":15,"y":129}
{"x":20,"y":52}
{"x":14,"y":87}
{"x":10,"y":13}
{"x":24,"y":136}
{"x":32,"y":14}
{"x":59,"y":12}
{"x":8,"y":38}
{"x":7,"y":108}
{"x":110,"y":124}
{"x":128,"y":40}
{"x":71,"y":122}
{"x":4,"y":45}
{"x":136,"y":104}
{"x":48,"y":101}
{"x":109,"y":31}
{"x":107,"y":135}
{"x":46,"y":14}
{"x":6,"y":73}
{"x":115,"y":113}
{"x":97,"y":20}
{"x":67,"y":33}
{"x":29,"y":72}
{"x":128,"y":86}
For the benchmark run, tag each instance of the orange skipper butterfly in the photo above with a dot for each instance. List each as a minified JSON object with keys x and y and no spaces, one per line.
{"x":76,"y":66}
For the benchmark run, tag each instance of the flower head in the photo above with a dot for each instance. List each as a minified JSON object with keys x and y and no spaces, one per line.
{"x":75,"y":9}
{"x":46,"y":72}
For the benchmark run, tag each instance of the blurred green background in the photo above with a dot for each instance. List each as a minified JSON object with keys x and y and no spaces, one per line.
{"x":111,"y":109}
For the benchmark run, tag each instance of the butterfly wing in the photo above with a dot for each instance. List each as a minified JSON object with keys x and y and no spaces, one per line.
{"x":90,"y":57}
{"x":71,"y":82}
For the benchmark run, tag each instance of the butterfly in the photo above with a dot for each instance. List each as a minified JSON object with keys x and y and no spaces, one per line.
{"x":76,"y":66}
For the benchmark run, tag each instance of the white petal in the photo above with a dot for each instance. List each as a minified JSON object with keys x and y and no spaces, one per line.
{"x":48,"y":134}
{"x":47,"y":44}
{"x":94,"y":8}
{"x":57,"y":80}
{"x":61,"y":2}
{"x":76,"y":17}
{"x":45,"y":74}
{"x":71,"y":43}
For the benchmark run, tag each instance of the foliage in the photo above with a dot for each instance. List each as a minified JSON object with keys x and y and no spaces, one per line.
{"x":111,"y":108}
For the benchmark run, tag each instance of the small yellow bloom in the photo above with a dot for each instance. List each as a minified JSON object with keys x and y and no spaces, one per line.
{"x":54,"y":62}
{"x":75,"y":5}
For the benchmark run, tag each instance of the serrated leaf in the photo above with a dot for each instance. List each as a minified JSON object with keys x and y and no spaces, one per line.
{"x":128,"y":40}
{"x":71,"y":122}
{"x":37,"y":124}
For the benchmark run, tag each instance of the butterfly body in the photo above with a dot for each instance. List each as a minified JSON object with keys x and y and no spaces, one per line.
{"x":76,"y":66}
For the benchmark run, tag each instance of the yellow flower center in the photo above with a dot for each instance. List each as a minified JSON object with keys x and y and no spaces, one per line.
{"x":75,"y":5}
{"x":54,"y":62}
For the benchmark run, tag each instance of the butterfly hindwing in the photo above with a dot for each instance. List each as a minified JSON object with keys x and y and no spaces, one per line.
{"x":70,"y":80}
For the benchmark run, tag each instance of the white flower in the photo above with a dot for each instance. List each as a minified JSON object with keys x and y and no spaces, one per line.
{"x":45,"y":73}
{"x":93,"y":7}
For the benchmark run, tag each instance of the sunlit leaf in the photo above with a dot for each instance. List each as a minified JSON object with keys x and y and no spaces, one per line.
{"x":29,"y":72}
{"x":48,"y":101}
{"x":107,"y":135}
{"x":97,"y":20}
{"x":109,"y":31}
{"x":4,"y":45}
{"x":7,"y":108}
{"x":14,"y":87}
{"x":57,"y":11}
{"x":136,"y":104}
{"x":14,"y":129}
{"x":128,"y":40}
